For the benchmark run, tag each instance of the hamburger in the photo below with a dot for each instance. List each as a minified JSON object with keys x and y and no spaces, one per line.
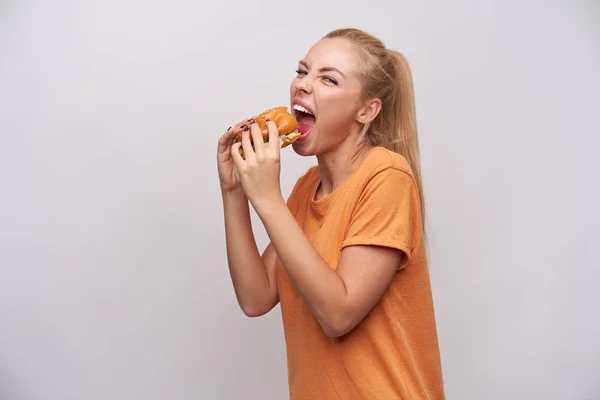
{"x":287,"y":126}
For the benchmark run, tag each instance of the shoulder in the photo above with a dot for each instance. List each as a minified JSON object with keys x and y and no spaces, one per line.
{"x":384,"y":203}
{"x":383,"y":165}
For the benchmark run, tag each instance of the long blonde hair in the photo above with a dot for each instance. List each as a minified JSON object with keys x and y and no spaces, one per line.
{"x":386,"y":75}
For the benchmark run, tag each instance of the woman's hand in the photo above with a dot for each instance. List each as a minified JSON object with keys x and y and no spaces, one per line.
{"x":225,"y":165}
{"x":259,"y":170}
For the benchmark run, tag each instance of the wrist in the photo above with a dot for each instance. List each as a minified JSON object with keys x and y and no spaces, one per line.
{"x":233,"y":194}
{"x":269,"y":206}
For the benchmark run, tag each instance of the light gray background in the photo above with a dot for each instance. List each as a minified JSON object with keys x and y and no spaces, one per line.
{"x":113,"y":277}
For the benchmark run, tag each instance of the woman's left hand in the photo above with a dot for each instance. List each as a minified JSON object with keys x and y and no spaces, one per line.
{"x":259,"y":170}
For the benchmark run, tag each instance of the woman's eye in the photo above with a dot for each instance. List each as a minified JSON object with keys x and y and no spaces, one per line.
{"x":300,"y":72}
{"x":330,"y":80}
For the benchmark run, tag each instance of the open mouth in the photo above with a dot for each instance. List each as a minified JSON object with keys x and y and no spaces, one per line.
{"x":305,"y":117}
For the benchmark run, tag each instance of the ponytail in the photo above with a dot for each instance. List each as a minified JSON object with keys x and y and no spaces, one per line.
{"x":386,"y":75}
{"x":406,"y":141}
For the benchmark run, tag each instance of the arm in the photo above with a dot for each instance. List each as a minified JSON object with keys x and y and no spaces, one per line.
{"x":253,"y":276}
{"x":338,"y":299}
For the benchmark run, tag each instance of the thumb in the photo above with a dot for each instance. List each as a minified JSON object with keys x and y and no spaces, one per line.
{"x":274,"y":146}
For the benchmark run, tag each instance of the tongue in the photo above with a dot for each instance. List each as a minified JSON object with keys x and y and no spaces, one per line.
{"x":305,"y":124}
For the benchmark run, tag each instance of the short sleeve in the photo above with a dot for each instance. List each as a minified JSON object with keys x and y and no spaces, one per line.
{"x":386,"y":213}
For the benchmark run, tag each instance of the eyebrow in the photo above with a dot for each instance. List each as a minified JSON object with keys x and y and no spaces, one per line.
{"x":324,"y":69}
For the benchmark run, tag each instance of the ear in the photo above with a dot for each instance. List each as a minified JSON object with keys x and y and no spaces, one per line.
{"x":369,"y":110}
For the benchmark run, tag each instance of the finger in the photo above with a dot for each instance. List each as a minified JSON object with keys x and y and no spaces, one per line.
{"x":238,"y":160}
{"x":226,"y":137}
{"x":243,"y":123}
{"x":237,"y":173}
{"x":257,"y":139}
{"x":225,"y":141}
{"x":274,"y":146}
{"x":239,"y":127}
{"x":246,"y":144}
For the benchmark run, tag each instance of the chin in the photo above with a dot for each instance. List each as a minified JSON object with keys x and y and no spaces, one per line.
{"x":304,"y":146}
{"x":301,"y":149}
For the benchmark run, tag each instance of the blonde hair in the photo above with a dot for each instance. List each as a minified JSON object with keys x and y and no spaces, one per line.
{"x":386,"y":75}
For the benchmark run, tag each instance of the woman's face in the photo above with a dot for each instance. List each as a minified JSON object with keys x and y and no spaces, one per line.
{"x":328,"y":87}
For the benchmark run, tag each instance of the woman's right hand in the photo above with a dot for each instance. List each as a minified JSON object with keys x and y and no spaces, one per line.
{"x":256,"y":291}
{"x":225,"y":164}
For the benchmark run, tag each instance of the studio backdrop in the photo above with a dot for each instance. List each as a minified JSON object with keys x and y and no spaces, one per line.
{"x":113,"y":274}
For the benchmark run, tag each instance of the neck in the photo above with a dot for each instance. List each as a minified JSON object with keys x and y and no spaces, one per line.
{"x":337,"y":165}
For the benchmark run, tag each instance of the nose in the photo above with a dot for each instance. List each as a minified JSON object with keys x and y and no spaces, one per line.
{"x":304,"y":84}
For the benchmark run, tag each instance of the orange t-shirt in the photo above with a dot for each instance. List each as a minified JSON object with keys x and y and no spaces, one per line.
{"x":393,"y":353}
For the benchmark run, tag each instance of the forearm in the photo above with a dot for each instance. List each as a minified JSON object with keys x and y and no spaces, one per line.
{"x":247,"y":269}
{"x":320,"y":286}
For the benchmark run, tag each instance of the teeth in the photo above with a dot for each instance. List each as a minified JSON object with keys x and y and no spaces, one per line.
{"x":300,"y":108}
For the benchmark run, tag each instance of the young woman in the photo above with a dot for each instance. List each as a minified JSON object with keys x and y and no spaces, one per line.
{"x":347,"y":258}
